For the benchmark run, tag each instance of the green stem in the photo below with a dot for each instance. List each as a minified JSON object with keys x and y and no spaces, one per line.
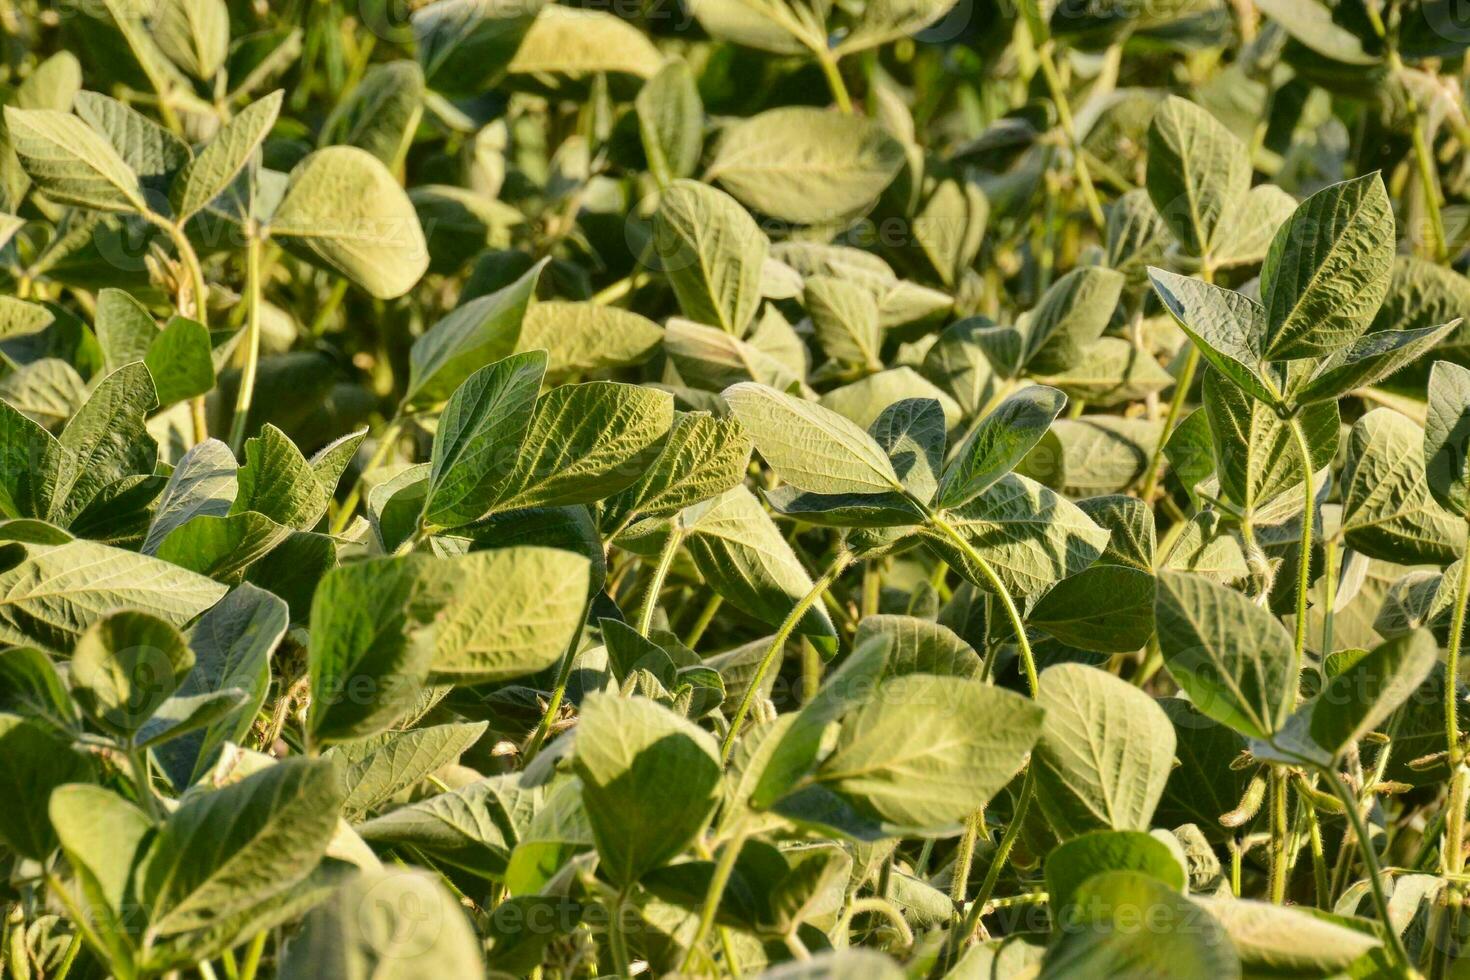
{"x":1428,"y":185}
{"x":656,"y":582}
{"x":959,"y":881}
{"x":1370,"y":865}
{"x":72,"y":949}
{"x":199,"y":298}
{"x":1171,"y":418}
{"x":252,"y":345}
{"x":1453,"y":861}
{"x":778,"y":644}
{"x":1002,"y":853}
{"x":1278,"y":837}
{"x":706,"y":616}
{"x":1452,"y":663}
{"x":880,"y":906}
{"x":1069,"y":130}
{"x":138,"y":769}
{"x":252,"y":956}
{"x":1304,"y":560}
{"x":714,"y":895}
{"x":559,"y":692}
{"x":615,"y":937}
{"x":834,"y":79}
{"x":1330,"y":560}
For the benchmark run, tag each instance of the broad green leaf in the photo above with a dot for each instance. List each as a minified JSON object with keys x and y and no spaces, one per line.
{"x":671,"y":122}
{"x":30,"y":456}
{"x":766,"y":27}
{"x":805,"y":165}
{"x":1104,"y":937}
{"x":106,"y":441}
{"x":1071,"y":863}
{"x":149,"y":150}
{"x":927,"y":751}
{"x":202,"y":483}
{"x":232,"y":645}
{"x":470,"y":337}
{"x":372,"y":643}
{"x":344,"y":210}
{"x":585,"y":442}
{"x":811,"y":447}
{"x":34,"y":761}
{"x":125,"y":666}
{"x":845,"y":318}
{"x":515,"y":612}
{"x":1281,"y":940}
{"x":1106,"y":608}
{"x":712,"y":251}
{"x":866,"y":399}
{"x":1068,"y":318}
{"x":649,"y":781}
{"x":480,"y":434}
{"x":1000,"y":441}
{"x":1369,"y":360}
{"x":222,"y":547}
{"x":1230,"y":655}
{"x":1327,"y":270}
{"x":277,"y":480}
{"x":1104,"y":754}
{"x":1257,"y":457}
{"x":1112,"y":372}
{"x":224,"y":851}
{"x":70,"y":162}
{"x":473,"y":828}
{"x":1198,"y":173}
{"x":195,"y":34}
{"x":464,"y":46}
{"x":52,"y":597}
{"x":743,"y":556}
{"x":180,"y":361}
{"x":1227,"y":327}
{"x":576,"y":41}
{"x":395,"y":924}
{"x":702,"y":457}
{"x":125,"y":328}
{"x":1031,"y":536}
{"x":221,"y":160}
{"x":380,"y":115}
{"x":102,"y":835}
{"x":1356,"y":701}
{"x":374,"y":770}
{"x":581,"y":338}
{"x":1447,"y":437}
{"x":1388,"y":511}
{"x":951,"y":227}
{"x":919,"y":646}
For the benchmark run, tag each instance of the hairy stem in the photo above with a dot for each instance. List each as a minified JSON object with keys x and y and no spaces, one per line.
{"x":714,"y":895}
{"x":1304,"y":560}
{"x":1370,"y":865}
{"x":385,"y":444}
{"x":559,"y":692}
{"x":252,"y":345}
{"x":656,"y":581}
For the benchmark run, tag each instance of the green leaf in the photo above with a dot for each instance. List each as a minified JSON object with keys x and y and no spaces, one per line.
{"x":1105,"y":608}
{"x":1447,"y":437}
{"x":480,"y":434}
{"x":180,"y":361}
{"x":1198,"y":173}
{"x":34,"y":761}
{"x":927,"y":751}
{"x":470,"y":337}
{"x":1327,"y":270}
{"x":1071,"y":863}
{"x":585,"y":442}
{"x":51,"y":598}
{"x":125,"y":666}
{"x":202,"y":483}
{"x":382,"y":113}
{"x":372,"y":643}
{"x":71,"y":163}
{"x":208,"y":175}
{"x":919,"y":646}
{"x":222,"y":547}
{"x":277,"y":481}
{"x":671,"y":122}
{"x":743,"y":557}
{"x":712,"y":251}
{"x":1112,"y":372}
{"x":344,"y":210}
{"x":1031,"y":536}
{"x":1257,"y":457}
{"x":1281,"y":940}
{"x":1000,"y":441}
{"x":1104,"y":939}
{"x":581,"y":338}
{"x":27,"y":477}
{"x":223,"y":852}
{"x":1369,"y":360}
{"x":374,"y":770}
{"x":811,"y":447}
{"x":125,"y":328}
{"x":806,"y":165}
{"x":1388,"y":511}
{"x":105,"y":442}
{"x":702,"y":457}
{"x":577,"y":41}
{"x":845,"y":318}
{"x":649,"y":781}
{"x":103,"y":836}
{"x":515,"y":613}
{"x":1105,"y":752}
{"x":1230,"y":655}
{"x":473,"y":828}
{"x":1069,"y":317}
{"x":376,"y":926}
{"x":1227,"y":327}
{"x":1355,"y":701}
{"x":149,"y":150}
{"x":194,"y":34}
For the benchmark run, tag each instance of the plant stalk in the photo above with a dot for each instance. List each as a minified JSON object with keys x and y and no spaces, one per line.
{"x":656,"y":583}
{"x":1370,"y":865}
{"x":246,"y":394}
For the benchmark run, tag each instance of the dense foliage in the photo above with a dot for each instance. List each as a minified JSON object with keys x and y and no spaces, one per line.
{"x":734,"y":487}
